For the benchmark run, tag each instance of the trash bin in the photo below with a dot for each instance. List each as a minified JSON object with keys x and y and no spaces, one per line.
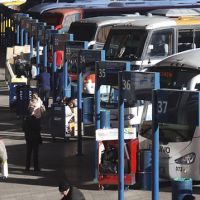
{"x":181,"y":187}
{"x":104,"y":119}
{"x":144,"y":173}
{"x":88,"y":110}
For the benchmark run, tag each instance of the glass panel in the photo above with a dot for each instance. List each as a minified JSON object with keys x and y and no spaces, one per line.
{"x":83,"y":31}
{"x":197,"y":39}
{"x":125,"y":44}
{"x":103,"y":33}
{"x":161,"y":43}
{"x":185,"y":39}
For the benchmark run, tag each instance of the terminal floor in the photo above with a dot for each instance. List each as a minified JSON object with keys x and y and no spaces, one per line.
{"x":58,"y":160}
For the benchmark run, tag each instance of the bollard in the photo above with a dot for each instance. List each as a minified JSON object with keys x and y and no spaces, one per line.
{"x":145,"y":169}
{"x":181,"y":187}
{"x":104,"y":119}
{"x":88,"y":110}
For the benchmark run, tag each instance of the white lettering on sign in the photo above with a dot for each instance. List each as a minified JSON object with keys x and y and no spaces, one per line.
{"x":162,"y":107}
{"x":126,"y":84}
{"x":102,"y":73}
{"x":164,"y":149}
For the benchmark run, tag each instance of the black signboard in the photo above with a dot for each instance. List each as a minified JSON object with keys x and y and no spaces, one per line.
{"x":42,"y":32}
{"x":24,"y":21}
{"x":73,"y":46}
{"x":177,"y":107}
{"x":34,"y":28}
{"x":72,"y":59}
{"x":47,"y":37}
{"x":59,"y":39}
{"x":27,"y":25}
{"x":87,"y":58}
{"x":139,"y":85}
{"x":107,"y":71}
{"x":17,"y":16}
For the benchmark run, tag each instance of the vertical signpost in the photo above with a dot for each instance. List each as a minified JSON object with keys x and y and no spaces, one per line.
{"x":22,"y":30}
{"x":23,"y":23}
{"x":58,"y":43}
{"x":35,"y":27}
{"x":106,"y":74}
{"x":28,"y":25}
{"x":16,"y":19}
{"x":166,"y":104}
{"x":44,"y":41}
{"x":71,"y":58}
{"x":86,"y":57}
{"x":132,"y":86}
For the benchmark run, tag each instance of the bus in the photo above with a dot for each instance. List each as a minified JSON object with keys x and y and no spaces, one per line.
{"x":180,"y":136}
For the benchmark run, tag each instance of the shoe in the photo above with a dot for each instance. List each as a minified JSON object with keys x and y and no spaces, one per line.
{"x":37,"y":170}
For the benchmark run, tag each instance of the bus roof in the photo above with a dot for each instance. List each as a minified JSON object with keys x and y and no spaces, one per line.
{"x":64,"y":11}
{"x":40,"y":8}
{"x":153,"y":22}
{"x":185,"y":59}
{"x":148,"y":22}
{"x":105,"y":20}
{"x":176,"y":12}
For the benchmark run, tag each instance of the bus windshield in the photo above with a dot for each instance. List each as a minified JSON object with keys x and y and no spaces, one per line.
{"x":125,"y":44}
{"x":80,"y":33}
{"x":52,"y":19}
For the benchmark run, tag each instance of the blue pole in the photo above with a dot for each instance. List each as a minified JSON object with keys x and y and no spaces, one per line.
{"x":26,"y":37}
{"x":97,"y":124}
{"x":54,"y":74}
{"x":79,"y":100}
{"x":66,"y":79}
{"x":31,"y":46}
{"x":17,"y":37}
{"x":199,"y":109}
{"x":121,"y":141}
{"x":45,"y":54}
{"x":21,"y":37}
{"x":155,"y":149}
{"x":38,"y":54}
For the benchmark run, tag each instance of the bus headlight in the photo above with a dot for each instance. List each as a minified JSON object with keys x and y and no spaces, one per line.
{"x":186,"y":159}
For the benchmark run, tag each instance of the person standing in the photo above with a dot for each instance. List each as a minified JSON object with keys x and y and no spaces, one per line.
{"x":31,"y":127}
{"x":44,"y":86}
{"x":3,"y":160}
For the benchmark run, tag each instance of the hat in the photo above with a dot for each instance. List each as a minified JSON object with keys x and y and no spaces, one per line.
{"x":63,"y":186}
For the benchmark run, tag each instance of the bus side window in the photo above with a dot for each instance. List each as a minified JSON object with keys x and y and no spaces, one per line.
{"x":197,"y":38}
{"x":185,"y":40}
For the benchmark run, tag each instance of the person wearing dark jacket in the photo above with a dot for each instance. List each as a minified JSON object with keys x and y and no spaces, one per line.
{"x":69,"y":192}
{"x":31,"y":127}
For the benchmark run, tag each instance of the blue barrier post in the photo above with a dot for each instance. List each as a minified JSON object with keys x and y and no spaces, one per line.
{"x":129,"y":84}
{"x":106,"y":74}
{"x":86,"y":56}
{"x":21,"y":36}
{"x":155,"y":146}
{"x":58,"y":45}
{"x":70,"y":46}
{"x":121,"y":142}
{"x":45,"y":48}
{"x":155,"y":152}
